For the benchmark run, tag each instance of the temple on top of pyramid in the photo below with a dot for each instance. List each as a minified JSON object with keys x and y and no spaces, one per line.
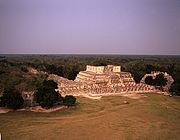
{"x":105,"y":75}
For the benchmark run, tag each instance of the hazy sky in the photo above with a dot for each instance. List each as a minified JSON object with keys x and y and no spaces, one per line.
{"x":90,"y":26}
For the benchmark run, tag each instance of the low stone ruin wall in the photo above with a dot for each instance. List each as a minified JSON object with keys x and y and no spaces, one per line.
{"x":169,"y":78}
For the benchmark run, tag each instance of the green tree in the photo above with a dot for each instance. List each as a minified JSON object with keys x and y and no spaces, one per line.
{"x":11,"y":98}
{"x":160,"y":80}
{"x":149,"y":80}
{"x":69,"y":100}
{"x":171,"y":68}
{"x":52,"y":69}
{"x":175,"y":88}
{"x":150,"y":68}
{"x":50,"y":84}
{"x":46,"y":95}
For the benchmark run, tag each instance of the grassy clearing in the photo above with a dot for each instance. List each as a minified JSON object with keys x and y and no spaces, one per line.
{"x":153,"y":117}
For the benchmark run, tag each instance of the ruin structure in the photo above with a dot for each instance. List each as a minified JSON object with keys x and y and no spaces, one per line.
{"x":168,"y":77}
{"x":101,"y":81}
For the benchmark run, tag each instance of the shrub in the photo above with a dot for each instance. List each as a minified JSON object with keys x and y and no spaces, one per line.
{"x":149,"y":80}
{"x":46,"y":95}
{"x":175,"y":89}
{"x":11,"y":98}
{"x":69,"y":100}
{"x":160,"y":80}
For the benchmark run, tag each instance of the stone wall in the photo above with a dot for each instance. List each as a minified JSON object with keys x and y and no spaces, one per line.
{"x":169,"y":78}
{"x":102,"y":69}
{"x":116,"y":68}
{"x":96,"y":69}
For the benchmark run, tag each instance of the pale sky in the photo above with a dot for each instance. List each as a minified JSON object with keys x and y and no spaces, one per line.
{"x":90,"y":27}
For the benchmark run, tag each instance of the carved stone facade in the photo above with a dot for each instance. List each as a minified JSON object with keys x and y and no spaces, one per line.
{"x":103,"y":69}
{"x":101,"y":80}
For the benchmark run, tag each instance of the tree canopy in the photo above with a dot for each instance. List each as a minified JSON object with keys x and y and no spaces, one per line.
{"x":149,"y":80}
{"x":46,"y":95}
{"x":159,"y":81}
{"x":69,"y":100}
{"x":11,"y":98}
{"x":175,"y":88}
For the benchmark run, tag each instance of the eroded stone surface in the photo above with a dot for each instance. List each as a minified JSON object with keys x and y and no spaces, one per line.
{"x":169,"y":78}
